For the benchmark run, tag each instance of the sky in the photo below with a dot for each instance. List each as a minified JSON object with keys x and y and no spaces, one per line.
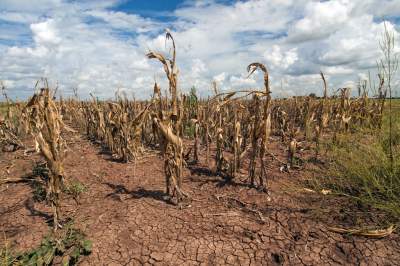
{"x":99,"y":46}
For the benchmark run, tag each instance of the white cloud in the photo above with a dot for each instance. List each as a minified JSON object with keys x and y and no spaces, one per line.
{"x":363,"y":76}
{"x":45,"y":33}
{"x":92,"y":46}
{"x":280,"y":59}
{"x":7,"y":83}
{"x":220,"y":78}
{"x":28,"y":6}
{"x":19,"y":17}
{"x":198,"y":68}
{"x":121,"y":20}
{"x":379,"y":9}
{"x":242,"y":81}
{"x":359,"y":40}
{"x":321,"y":19}
{"x":337,"y":70}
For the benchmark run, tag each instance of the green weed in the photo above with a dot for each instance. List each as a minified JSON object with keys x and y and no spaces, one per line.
{"x":67,"y":246}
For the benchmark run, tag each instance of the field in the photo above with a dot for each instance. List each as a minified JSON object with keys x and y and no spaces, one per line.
{"x":237,"y":179}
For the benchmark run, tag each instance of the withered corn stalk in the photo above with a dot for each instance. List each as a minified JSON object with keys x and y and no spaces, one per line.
{"x":322,"y":117}
{"x":8,"y":102}
{"x":117,"y":125}
{"x":9,"y":141}
{"x":377,"y":113}
{"x":261,"y":131}
{"x":228,"y":134}
{"x":45,"y":124}
{"x":292,"y":147}
{"x":169,"y":126}
{"x":9,"y":126}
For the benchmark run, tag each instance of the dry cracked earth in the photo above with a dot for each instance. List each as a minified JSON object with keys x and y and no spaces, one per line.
{"x":124,"y":213}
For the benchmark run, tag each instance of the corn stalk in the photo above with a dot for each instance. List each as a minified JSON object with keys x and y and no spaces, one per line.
{"x":169,"y":126}
{"x":45,"y":124}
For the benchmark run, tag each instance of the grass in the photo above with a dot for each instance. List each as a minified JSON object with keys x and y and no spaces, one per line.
{"x":360,"y":167}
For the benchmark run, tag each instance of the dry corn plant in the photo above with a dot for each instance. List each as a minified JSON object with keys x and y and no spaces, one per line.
{"x":237,"y":140}
{"x":261,"y":131}
{"x":169,"y":125}
{"x":322,"y":117}
{"x":8,"y":102}
{"x":45,"y":124}
{"x":294,"y":128}
{"x":95,"y":126}
{"x":208,"y":122}
{"x":221,"y":163}
{"x":126,"y":129}
{"x":224,"y":122}
{"x":116,"y":125}
{"x":191,"y":119}
{"x":9,"y":141}
{"x":9,"y":127}
{"x":235,"y":119}
{"x":362,"y":107}
{"x":308,"y":116}
{"x":345,"y":109}
{"x":73,"y":111}
{"x":255,"y":139}
{"x":380,"y":104}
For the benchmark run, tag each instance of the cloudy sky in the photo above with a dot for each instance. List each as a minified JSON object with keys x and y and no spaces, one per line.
{"x":100,"y":46}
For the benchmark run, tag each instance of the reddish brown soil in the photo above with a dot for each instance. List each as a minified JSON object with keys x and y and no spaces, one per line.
{"x":124,"y":213}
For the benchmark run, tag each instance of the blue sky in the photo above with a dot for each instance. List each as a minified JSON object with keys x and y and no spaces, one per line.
{"x":100,"y":46}
{"x":155,"y":8}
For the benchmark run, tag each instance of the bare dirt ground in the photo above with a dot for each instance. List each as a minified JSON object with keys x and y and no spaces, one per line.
{"x":124,"y":213}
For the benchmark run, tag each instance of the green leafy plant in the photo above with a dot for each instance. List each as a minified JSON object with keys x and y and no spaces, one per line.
{"x":75,"y":188}
{"x":65,"y":248}
{"x":39,"y":186}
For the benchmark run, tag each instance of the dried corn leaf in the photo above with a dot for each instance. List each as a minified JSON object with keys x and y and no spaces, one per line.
{"x":377,"y":233}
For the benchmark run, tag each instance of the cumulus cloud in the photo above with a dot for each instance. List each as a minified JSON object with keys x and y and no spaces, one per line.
{"x":45,"y":33}
{"x":220,"y":78}
{"x":242,"y":81}
{"x":198,"y":68}
{"x":280,"y":59}
{"x":321,"y":19}
{"x":95,"y":47}
{"x":123,"y":21}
